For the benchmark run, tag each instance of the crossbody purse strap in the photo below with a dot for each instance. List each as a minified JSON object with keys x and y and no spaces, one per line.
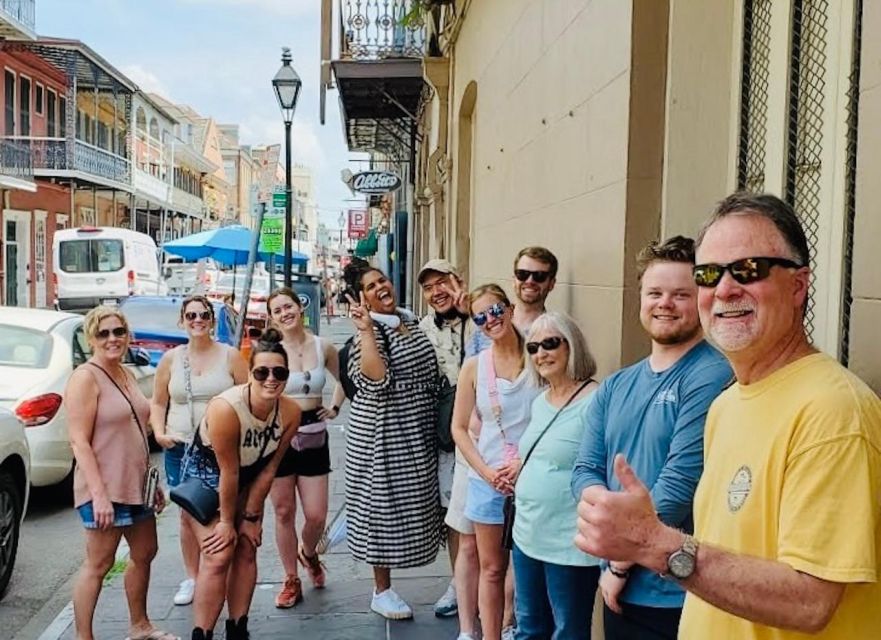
{"x":554,"y":419}
{"x":131,"y":406}
{"x":492,"y":387}
{"x":188,"y":382}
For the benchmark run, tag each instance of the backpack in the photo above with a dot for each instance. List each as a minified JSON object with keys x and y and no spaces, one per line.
{"x":349,"y":387}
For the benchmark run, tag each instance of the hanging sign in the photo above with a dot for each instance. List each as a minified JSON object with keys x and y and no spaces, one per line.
{"x":375,"y":182}
{"x":359,"y":223}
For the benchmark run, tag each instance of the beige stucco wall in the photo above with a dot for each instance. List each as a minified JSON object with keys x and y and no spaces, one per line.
{"x":865,"y":348}
{"x":567,"y":150}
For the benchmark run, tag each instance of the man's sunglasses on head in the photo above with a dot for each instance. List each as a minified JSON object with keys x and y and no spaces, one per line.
{"x":537,"y":276}
{"x":744,"y":271}
{"x":496,"y":311}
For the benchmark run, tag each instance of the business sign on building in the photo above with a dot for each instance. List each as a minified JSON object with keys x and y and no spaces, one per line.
{"x":359,"y":223}
{"x":375,"y":182}
{"x":272,"y":235}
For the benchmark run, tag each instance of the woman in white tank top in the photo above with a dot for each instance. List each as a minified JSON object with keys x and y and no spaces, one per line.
{"x":213,"y":368}
{"x":495,"y":382}
{"x":304,"y":470}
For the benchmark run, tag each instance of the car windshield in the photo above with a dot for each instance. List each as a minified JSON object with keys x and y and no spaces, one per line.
{"x":259,"y":285}
{"x":22,"y":347}
{"x":89,"y":256}
{"x":153,"y":318}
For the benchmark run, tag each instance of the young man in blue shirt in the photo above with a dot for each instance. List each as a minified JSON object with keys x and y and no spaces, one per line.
{"x":653,"y":412}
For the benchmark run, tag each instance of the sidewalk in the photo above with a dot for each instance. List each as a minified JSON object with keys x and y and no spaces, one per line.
{"x":339,"y":612}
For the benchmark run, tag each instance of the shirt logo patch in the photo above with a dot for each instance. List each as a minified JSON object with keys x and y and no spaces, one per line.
{"x":665,"y":396}
{"x":739,"y":489}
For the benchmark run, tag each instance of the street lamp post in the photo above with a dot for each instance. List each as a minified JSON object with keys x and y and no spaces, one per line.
{"x":287,"y":86}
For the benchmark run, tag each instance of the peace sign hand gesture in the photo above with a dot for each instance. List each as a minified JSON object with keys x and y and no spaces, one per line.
{"x":360,"y":313}
{"x":459,"y":295}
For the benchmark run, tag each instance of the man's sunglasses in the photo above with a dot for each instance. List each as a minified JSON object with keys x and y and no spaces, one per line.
{"x":261,"y":374}
{"x":496,"y":311}
{"x":202,"y":315}
{"x":537,"y":276}
{"x":118,"y":332}
{"x":548,"y":344}
{"x":744,"y":271}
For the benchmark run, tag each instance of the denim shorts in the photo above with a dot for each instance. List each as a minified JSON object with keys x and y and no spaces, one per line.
{"x":174,"y":458}
{"x":124,"y":515}
{"x":483,"y":504}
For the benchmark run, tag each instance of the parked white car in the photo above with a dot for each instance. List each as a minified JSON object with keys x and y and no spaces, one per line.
{"x":14,"y":491}
{"x":39,"y":349}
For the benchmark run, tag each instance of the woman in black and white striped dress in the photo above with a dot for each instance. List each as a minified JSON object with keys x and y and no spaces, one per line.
{"x":391,"y":451}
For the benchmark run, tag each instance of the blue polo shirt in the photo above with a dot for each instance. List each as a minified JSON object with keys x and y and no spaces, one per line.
{"x":656,"y":419}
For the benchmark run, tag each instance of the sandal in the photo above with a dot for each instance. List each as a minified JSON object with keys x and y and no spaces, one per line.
{"x":155,"y":634}
{"x":314,"y":566}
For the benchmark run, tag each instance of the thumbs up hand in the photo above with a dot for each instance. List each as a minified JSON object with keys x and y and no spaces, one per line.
{"x":621,"y":525}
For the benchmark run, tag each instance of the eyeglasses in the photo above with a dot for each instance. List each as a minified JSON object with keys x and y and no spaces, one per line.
{"x":537,"y":276}
{"x":202,"y":315}
{"x":307,"y":376}
{"x":548,"y":344}
{"x":496,"y":311}
{"x":261,"y":374}
{"x":118,"y":332}
{"x":744,"y":271}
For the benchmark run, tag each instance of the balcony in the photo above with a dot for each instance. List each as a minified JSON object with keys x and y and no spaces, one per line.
{"x":379,"y":73}
{"x":18,"y":19}
{"x":61,"y":157}
{"x":186,"y":202}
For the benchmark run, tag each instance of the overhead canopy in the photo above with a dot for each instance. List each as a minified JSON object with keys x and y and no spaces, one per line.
{"x":226,"y":245}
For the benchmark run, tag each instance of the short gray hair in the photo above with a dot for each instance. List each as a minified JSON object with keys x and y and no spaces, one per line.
{"x":582,"y":364}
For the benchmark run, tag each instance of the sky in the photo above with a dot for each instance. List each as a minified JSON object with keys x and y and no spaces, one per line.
{"x":219,"y":57}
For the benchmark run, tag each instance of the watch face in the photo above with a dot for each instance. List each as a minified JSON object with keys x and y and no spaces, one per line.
{"x":681,"y":564}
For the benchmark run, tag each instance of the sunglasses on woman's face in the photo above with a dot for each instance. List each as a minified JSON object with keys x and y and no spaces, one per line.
{"x":537,"y":276}
{"x":744,"y":271}
{"x":261,"y":374}
{"x":496,"y":311}
{"x":548,"y":344}
{"x":118,"y":332}
{"x":202,"y":315}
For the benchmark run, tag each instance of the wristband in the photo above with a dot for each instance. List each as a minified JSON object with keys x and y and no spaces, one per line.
{"x":336,"y":408}
{"x":618,"y":574}
{"x":252,"y":517}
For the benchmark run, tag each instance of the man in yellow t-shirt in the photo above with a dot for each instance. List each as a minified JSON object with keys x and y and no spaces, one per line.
{"x":788,"y":512}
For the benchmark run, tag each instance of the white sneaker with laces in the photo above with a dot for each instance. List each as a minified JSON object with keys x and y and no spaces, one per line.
{"x":185,"y":592}
{"x":447,"y":605}
{"x":508,"y":633}
{"x":390,"y":605}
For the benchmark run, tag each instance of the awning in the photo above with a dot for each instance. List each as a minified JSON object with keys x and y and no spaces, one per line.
{"x":367,"y":246}
{"x":8,"y":182}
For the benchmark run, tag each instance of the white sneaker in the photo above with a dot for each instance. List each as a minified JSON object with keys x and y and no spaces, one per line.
{"x":465,"y":636}
{"x":447,"y":605}
{"x":185,"y":592}
{"x":390,"y":605}
{"x":508,"y":633}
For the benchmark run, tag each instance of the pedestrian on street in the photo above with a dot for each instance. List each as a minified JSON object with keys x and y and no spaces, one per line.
{"x":446,"y":327}
{"x":107,"y":418}
{"x":392,"y":496}
{"x":554,"y":582}
{"x":305,"y":467}
{"x":787,"y":537}
{"x":187,"y":377}
{"x":496,"y":383}
{"x":236,"y":452}
{"x":654,"y":413}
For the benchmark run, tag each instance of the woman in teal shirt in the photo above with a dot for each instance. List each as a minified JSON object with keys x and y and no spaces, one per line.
{"x":554,"y":582}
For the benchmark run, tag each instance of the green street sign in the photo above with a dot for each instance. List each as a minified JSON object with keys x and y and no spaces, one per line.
{"x":279,"y":199}
{"x":272,"y":235}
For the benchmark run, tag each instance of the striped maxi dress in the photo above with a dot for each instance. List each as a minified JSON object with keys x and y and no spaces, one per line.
{"x":392,"y":498}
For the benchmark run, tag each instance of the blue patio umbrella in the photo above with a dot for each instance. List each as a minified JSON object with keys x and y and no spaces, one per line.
{"x":226,"y":245}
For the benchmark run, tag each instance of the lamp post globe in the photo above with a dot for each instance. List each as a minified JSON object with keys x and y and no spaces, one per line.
{"x":287,"y":85}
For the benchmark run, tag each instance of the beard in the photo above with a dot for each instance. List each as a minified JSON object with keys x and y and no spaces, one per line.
{"x":677,"y":336}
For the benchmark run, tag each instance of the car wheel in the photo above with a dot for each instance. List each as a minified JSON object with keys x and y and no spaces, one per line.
{"x":10,"y":521}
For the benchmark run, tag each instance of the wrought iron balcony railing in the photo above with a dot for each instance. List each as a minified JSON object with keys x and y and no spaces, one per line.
{"x":378,"y":29}
{"x":61,"y":154}
{"x":22,"y":11}
{"x":15,"y":159}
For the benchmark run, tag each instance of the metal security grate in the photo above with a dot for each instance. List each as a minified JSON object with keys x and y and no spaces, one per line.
{"x":807,"y":88}
{"x":754,"y":94}
{"x":853,"y":104}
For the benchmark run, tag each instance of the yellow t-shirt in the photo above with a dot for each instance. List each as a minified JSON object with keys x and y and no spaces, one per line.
{"x":792,"y":473}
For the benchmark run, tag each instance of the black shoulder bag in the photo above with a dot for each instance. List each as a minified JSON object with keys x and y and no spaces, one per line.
{"x":446,"y":398}
{"x":510,"y":510}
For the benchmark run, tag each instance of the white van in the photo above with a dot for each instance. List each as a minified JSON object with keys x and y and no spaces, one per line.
{"x":102,"y":265}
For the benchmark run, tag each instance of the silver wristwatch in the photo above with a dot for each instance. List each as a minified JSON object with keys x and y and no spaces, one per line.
{"x":682,"y":562}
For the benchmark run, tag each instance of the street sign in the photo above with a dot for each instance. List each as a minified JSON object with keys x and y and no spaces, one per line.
{"x":272,"y":235}
{"x":279,"y":200}
{"x":267,"y":165}
{"x":359,"y":222}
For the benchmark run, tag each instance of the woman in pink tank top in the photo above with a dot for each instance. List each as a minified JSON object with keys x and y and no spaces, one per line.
{"x":106,"y":417}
